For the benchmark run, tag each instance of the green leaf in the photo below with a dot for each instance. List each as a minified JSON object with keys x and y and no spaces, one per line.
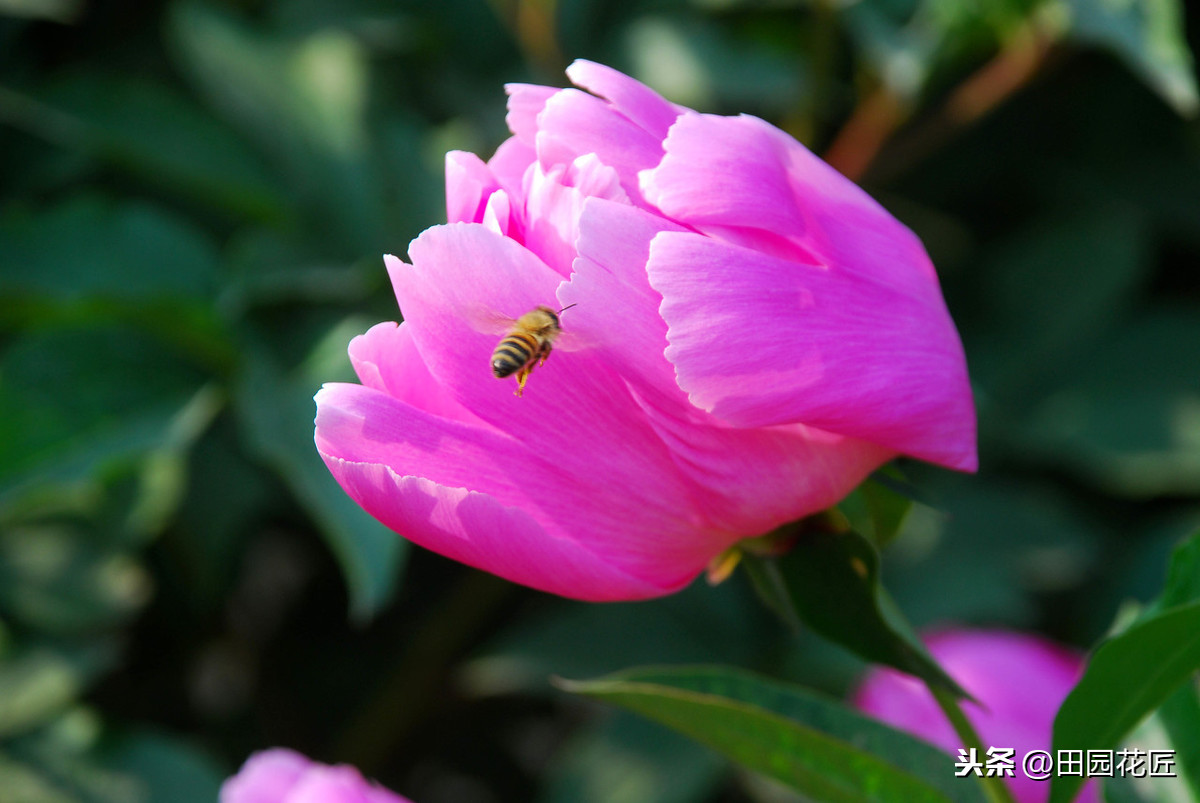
{"x":1183,"y":577}
{"x":77,"y":400}
{"x":877,"y":510}
{"x":276,"y":412}
{"x":1127,"y":678}
{"x":164,"y":768}
{"x":24,"y":784}
{"x":90,"y":247}
{"x":35,"y":684}
{"x":831,"y":581}
{"x":812,"y":744}
{"x":1180,"y":714}
{"x":303,"y":100}
{"x":158,"y":135}
{"x":1149,"y":36}
{"x":1126,"y":418}
{"x":1180,"y":718}
{"x":57,"y":580}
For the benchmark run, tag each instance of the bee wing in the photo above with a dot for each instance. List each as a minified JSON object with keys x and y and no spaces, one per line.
{"x":570,"y":341}
{"x":488,"y":321}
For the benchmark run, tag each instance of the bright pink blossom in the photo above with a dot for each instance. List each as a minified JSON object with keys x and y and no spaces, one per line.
{"x":285,"y":776}
{"x":753,"y":335}
{"x":1020,"y":679}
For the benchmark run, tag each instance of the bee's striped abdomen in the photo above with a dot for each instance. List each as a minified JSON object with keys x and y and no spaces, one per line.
{"x":514,"y":352}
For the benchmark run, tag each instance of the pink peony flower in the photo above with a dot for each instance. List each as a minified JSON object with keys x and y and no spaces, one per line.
{"x":1020,"y":679}
{"x":752,"y":335}
{"x":285,"y":776}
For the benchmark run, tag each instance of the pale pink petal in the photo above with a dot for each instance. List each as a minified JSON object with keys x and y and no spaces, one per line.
{"x":636,"y":101}
{"x":574,"y":123}
{"x":497,"y":215}
{"x":509,"y":164}
{"x":469,"y":184}
{"x":340,"y":784}
{"x":525,"y":103}
{"x":759,"y":341}
{"x":386,"y":359}
{"x":266,"y":777}
{"x":554,"y":203}
{"x":745,"y":180}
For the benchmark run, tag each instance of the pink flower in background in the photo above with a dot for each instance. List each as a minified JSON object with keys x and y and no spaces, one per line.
{"x":1020,"y":679}
{"x":285,"y":776}
{"x":752,"y":335}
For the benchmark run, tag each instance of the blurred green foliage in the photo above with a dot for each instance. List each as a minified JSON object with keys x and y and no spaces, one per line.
{"x":194,"y":198}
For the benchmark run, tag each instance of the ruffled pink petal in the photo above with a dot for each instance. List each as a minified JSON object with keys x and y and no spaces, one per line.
{"x":754,"y":480}
{"x":593,"y":467}
{"x":554,"y":203}
{"x":636,"y":101}
{"x":266,"y":777}
{"x":759,"y":341}
{"x":742,"y":179}
{"x":758,"y":479}
{"x":525,"y":103}
{"x":469,"y":184}
{"x":574,"y":123}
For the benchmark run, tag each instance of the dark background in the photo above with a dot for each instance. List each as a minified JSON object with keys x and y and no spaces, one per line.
{"x":194,"y":198}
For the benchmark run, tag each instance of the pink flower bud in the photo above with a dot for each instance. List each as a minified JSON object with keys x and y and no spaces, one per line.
{"x":285,"y":776}
{"x":749,"y":336}
{"x":1020,"y":679}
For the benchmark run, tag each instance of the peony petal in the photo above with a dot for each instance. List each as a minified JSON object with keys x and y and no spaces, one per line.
{"x":386,"y":359}
{"x":525,"y":103}
{"x":497,"y":216}
{"x":475,"y":529}
{"x":413,"y":471}
{"x":758,"y":479}
{"x":731,"y":175}
{"x":266,"y":777}
{"x":460,"y":268}
{"x":511,"y":162}
{"x":636,"y":101}
{"x":469,"y":184}
{"x":614,"y":245}
{"x":340,"y":784}
{"x":599,"y":472}
{"x":574,"y":123}
{"x":759,"y":341}
{"x":554,"y":203}
{"x":754,"y":480}
{"x":1020,"y":679}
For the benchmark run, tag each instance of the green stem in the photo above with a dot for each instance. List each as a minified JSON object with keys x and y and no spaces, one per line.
{"x":994,"y":787}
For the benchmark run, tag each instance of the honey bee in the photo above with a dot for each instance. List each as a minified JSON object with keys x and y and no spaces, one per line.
{"x":527,"y":343}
